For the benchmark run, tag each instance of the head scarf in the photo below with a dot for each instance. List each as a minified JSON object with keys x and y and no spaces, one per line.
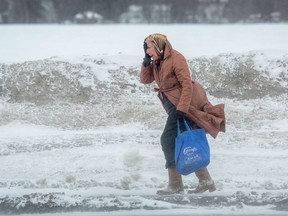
{"x":159,"y":41}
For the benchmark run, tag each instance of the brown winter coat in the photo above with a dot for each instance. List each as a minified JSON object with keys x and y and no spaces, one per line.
{"x":188,"y":96}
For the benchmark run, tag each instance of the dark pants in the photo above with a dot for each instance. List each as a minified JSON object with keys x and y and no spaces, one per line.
{"x":169,"y":135}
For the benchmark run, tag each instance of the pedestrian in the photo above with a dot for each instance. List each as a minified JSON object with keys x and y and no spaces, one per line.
{"x":181,"y":98}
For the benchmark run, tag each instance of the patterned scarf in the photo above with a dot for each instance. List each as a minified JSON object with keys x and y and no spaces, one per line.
{"x":159,"y":41}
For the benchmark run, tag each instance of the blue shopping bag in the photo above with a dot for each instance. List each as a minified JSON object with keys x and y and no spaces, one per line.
{"x":192,"y":151}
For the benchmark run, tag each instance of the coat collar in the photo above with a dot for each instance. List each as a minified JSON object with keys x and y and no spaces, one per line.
{"x":168,"y":49}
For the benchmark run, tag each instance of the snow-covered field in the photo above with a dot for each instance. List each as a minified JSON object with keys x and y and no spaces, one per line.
{"x":78,"y":132}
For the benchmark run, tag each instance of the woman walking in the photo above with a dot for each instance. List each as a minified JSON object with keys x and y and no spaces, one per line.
{"x":181,"y":98}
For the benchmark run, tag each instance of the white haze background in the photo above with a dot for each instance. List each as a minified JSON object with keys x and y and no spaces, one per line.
{"x":118,"y":156}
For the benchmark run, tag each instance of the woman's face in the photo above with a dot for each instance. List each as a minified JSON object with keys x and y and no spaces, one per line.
{"x":151,"y":51}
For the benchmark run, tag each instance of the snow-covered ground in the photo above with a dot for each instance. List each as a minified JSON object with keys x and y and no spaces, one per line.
{"x":78,"y":132}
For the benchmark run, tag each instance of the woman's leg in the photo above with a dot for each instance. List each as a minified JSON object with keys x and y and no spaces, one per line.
{"x":175,"y":184}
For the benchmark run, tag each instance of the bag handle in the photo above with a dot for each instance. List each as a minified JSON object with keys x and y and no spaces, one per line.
{"x":179,"y":132}
{"x":186,"y":125}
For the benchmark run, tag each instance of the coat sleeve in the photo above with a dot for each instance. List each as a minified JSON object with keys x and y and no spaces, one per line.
{"x":183,"y":75}
{"x":146,"y":74}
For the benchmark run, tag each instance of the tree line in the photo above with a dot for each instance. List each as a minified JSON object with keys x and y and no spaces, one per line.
{"x":139,"y":11}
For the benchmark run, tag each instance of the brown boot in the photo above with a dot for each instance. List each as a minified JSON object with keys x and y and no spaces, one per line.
{"x":175,"y":184}
{"x":205,"y":182}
